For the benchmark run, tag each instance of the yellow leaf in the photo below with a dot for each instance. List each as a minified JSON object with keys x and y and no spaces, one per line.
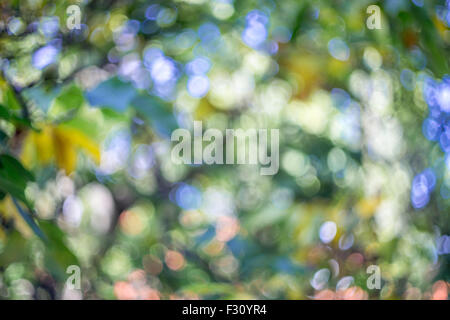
{"x":58,"y":144}
{"x":27,"y":154}
{"x":440,"y":26}
{"x":2,"y":235}
{"x":65,"y":154}
{"x":82,"y":141}
{"x":9,"y":211}
{"x":204,"y":109}
{"x":304,"y":68}
{"x":44,"y":144}
{"x":366,"y":207}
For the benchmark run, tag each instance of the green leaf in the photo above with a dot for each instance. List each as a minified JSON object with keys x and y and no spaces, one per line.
{"x":11,"y":100}
{"x":69,"y":100}
{"x":14,"y":250}
{"x":22,"y":121}
{"x":14,"y":177}
{"x":10,"y":115}
{"x":4,"y":113}
{"x":29,"y":220}
{"x":59,"y":256}
{"x":3,"y":138}
{"x":432,"y":41}
{"x":112,"y":93}
{"x":157,"y":112}
{"x":41,"y":96}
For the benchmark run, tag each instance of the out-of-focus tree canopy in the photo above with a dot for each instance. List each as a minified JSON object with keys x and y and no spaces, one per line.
{"x":86,"y":176}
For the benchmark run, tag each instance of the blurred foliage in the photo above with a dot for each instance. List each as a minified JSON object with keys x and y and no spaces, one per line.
{"x":86,"y":177}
